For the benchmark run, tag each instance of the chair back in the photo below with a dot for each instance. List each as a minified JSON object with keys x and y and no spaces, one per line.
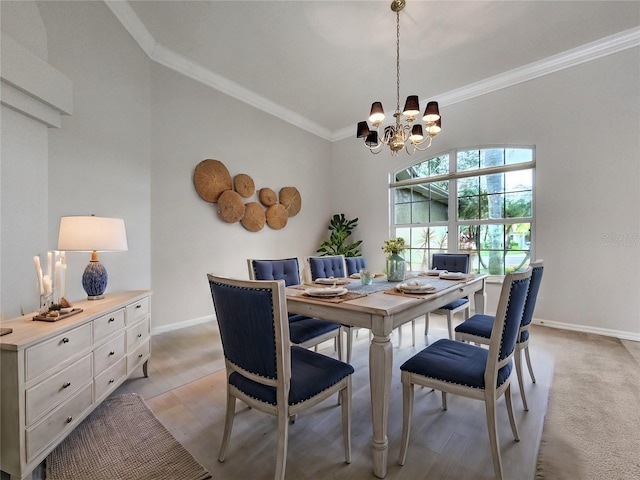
{"x":355,"y":264}
{"x":506,"y":326}
{"x":326,"y":266}
{"x":537,"y":268}
{"x":286,"y":269}
{"x":452,"y":262}
{"x":252,"y":318}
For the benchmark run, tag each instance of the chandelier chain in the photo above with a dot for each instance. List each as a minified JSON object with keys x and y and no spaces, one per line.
{"x":398,"y":61}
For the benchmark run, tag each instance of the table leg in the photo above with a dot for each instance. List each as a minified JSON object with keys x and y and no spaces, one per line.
{"x":479,"y":300}
{"x":380,"y":363}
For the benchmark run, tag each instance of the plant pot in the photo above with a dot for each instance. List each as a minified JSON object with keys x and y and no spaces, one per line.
{"x":396,"y":268}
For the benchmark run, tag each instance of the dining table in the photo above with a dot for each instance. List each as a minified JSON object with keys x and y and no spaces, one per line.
{"x":381,"y":307}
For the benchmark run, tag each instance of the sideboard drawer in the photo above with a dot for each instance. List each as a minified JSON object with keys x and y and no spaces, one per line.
{"x":137,"y":310}
{"x":137,"y":356}
{"x":45,"y":395}
{"x":64,"y":418}
{"x":110,"y":378}
{"x":108,"y":324}
{"x":106,"y":355}
{"x":56,"y":350}
{"x":137,"y":334}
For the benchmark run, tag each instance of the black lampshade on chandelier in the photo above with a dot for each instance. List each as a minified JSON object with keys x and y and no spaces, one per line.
{"x":396,"y":136}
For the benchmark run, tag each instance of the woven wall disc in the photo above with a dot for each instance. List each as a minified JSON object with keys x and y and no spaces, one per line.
{"x":243,"y":184}
{"x":267,"y":197}
{"x":211,"y":178}
{"x":230,"y":206}
{"x":277,"y":216}
{"x":254,"y":217}
{"x":291,"y":199}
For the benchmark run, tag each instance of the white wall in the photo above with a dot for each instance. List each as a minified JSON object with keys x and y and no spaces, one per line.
{"x":191,"y":123}
{"x":585,"y":125}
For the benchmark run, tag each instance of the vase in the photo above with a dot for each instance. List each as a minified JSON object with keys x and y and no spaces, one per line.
{"x":396,"y":268}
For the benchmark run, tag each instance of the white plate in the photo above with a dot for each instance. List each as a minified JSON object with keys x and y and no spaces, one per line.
{"x":354,"y":275}
{"x":433,"y":272}
{"x":416,"y":287}
{"x":331,"y":281}
{"x":325,"y":292}
{"x":452,"y":275}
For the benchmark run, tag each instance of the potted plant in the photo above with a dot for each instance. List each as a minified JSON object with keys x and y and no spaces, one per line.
{"x":341,"y":228}
{"x":396,"y":265}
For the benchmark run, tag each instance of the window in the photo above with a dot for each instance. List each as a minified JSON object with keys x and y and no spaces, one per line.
{"x":477,"y":201}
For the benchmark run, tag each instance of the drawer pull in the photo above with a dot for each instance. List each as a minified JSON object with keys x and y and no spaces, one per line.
{"x":69,"y":419}
{"x":112,"y":353}
{"x":111,"y":380}
{"x":138,"y":306}
{"x":139,"y":335}
{"x":111,"y":320}
{"x":65,"y":340}
{"x":66,"y":384}
{"x":140,"y":356}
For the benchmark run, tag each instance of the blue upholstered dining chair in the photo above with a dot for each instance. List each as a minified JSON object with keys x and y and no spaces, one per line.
{"x":452,"y":262}
{"x":264,"y":370}
{"x":470,"y":370}
{"x":303,"y":331}
{"x":330,"y":266}
{"x":477,"y":329}
{"x":355,"y":264}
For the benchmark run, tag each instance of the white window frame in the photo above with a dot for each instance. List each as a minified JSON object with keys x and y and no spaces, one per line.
{"x":453,"y":176}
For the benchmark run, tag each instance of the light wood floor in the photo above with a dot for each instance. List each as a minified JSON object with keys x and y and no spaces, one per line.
{"x":186,"y":391}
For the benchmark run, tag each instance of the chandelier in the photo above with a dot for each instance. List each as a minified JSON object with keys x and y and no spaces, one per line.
{"x":396,"y":136}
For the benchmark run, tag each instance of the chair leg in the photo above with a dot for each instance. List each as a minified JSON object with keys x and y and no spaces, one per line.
{"x":228,"y":424}
{"x":426,"y":324}
{"x":338,"y":343}
{"x":407,"y":414}
{"x":283,"y":440}
{"x":492,"y":427}
{"x":526,"y":354}
{"x":345,"y":395}
{"x":413,"y":332}
{"x":444,"y":400}
{"x":450,"y":324}
{"x":512,"y":418}
{"x":517,"y":356}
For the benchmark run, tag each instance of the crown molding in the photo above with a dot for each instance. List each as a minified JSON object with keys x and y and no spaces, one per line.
{"x":185,"y":66}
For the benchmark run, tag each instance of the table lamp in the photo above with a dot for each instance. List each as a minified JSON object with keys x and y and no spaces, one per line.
{"x":92,"y":234}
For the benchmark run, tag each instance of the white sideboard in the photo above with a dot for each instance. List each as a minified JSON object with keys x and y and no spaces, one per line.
{"x":53,"y":374}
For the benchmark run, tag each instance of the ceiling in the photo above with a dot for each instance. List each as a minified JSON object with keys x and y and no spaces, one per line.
{"x":320,"y":64}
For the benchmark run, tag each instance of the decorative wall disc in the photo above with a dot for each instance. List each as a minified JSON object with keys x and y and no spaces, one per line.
{"x":211,"y":178}
{"x":243,"y":184}
{"x":268,"y":197}
{"x":277,"y":216}
{"x":291,"y":199}
{"x":230,"y":206}
{"x":254,"y":217}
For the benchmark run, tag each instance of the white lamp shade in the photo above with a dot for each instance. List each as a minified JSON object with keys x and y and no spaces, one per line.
{"x":90,"y":233}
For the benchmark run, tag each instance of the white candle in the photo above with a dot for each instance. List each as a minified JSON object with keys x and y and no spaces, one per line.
{"x":49,"y":265}
{"x":46,"y":282}
{"x":63,"y":280}
{"x":57,"y":280}
{"x":36,"y":261}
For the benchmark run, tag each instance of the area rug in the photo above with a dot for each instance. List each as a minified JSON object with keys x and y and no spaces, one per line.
{"x":122,"y":440}
{"x":592,"y":427}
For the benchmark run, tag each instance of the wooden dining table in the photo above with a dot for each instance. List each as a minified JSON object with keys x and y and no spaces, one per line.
{"x":381,"y":308}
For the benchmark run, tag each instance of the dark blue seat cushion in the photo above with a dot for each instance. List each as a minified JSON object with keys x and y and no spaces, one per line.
{"x":311,"y":373}
{"x":455,"y":304}
{"x":454,"y":362}
{"x":477,"y":325}
{"x":305,"y":328}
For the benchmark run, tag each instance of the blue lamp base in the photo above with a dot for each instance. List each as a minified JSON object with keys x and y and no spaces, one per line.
{"x":94,"y":280}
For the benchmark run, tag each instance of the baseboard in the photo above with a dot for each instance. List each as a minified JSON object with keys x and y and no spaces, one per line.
{"x":607,"y":332}
{"x":184,"y":324}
